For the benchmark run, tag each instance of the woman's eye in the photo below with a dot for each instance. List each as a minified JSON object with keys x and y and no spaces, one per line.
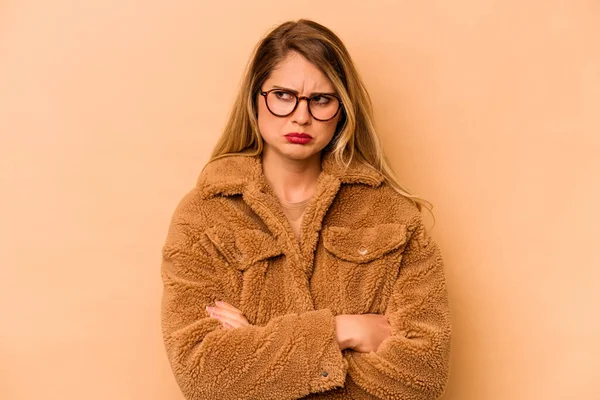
{"x":321,"y":100}
{"x":283,"y":95}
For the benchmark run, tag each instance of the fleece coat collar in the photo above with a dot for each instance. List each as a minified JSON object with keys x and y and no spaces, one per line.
{"x":231,"y":176}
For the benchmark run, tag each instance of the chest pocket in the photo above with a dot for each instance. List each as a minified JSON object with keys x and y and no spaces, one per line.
{"x":363,"y":264}
{"x":248,"y":251}
{"x":245,"y":247}
{"x":364,"y":244}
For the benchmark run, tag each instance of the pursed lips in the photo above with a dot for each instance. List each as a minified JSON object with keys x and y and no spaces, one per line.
{"x":298,"y":138}
{"x":299,"y":134}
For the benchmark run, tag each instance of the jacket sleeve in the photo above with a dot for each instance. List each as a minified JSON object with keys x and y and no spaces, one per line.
{"x":290,"y":357}
{"x":413,"y":363}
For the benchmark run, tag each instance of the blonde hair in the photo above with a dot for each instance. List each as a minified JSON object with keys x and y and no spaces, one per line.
{"x":355,"y":134}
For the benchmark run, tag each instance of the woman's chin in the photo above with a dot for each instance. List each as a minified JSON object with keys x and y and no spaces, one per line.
{"x":299,"y":152}
{"x":293,"y":151}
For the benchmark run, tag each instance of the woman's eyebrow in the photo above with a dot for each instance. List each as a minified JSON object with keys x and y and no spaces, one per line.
{"x":296,"y":92}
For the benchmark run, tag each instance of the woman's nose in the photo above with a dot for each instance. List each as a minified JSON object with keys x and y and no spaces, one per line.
{"x":301,"y":113}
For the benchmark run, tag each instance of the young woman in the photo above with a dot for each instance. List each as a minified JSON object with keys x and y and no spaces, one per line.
{"x":298,"y":267}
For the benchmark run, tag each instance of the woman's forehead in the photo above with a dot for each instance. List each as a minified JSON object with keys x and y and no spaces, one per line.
{"x":299,"y":74}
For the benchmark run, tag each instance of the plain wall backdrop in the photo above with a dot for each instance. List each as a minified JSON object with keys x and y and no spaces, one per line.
{"x":109,"y":110}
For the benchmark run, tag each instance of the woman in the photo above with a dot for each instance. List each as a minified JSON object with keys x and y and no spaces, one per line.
{"x":297,"y":267}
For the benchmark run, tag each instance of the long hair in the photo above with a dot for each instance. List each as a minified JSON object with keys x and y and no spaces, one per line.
{"x":355,"y":135}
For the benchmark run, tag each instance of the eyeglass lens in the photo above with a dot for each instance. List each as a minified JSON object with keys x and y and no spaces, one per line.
{"x":322,"y":106}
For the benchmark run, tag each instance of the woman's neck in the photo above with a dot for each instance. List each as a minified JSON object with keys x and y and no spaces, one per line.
{"x":291,"y":180}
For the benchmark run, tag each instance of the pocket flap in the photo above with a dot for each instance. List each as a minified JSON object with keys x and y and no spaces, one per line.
{"x":363,"y":244}
{"x":245,"y":246}
{"x":256,"y":245}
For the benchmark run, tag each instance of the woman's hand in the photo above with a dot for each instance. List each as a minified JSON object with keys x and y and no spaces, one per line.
{"x":229,"y":316}
{"x":362,"y":332}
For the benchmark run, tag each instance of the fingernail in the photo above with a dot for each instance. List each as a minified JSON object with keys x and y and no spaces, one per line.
{"x":219,"y":303}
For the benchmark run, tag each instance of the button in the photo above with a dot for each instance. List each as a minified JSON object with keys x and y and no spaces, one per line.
{"x":362,"y":251}
{"x":324,"y":374}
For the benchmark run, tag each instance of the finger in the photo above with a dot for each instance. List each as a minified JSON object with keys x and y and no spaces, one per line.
{"x":226,"y":322}
{"x":235,"y":322}
{"x":227,"y":326}
{"x":232,"y":315}
{"x":221,"y":310}
{"x":227,"y":306}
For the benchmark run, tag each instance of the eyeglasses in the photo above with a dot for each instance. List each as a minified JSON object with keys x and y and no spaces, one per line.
{"x":322,"y":107}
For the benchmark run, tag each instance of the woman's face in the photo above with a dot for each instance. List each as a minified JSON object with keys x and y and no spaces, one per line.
{"x":296,"y":73}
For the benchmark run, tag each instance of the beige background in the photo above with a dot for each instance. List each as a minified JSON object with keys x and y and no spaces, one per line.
{"x":109,"y":109}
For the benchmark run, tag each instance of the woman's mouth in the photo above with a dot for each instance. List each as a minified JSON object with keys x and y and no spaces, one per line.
{"x":298,"y":137}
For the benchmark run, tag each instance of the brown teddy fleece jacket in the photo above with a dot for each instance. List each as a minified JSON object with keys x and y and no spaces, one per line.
{"x":363,"y":250}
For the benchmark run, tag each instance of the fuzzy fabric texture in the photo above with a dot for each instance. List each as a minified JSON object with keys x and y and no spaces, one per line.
{"x":364,"y":249}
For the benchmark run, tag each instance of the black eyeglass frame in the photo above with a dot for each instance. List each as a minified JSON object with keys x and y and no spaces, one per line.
{"x":298,"y":99}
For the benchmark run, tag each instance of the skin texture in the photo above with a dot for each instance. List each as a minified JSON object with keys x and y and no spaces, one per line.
{"x":292,"y":171}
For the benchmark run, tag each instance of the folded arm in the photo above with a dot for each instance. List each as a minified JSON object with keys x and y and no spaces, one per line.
{"x":290,"y":357}
{"x":413,"y":363}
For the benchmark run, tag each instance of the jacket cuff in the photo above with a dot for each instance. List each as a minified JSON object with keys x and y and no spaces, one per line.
{"x":326,"y":366}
